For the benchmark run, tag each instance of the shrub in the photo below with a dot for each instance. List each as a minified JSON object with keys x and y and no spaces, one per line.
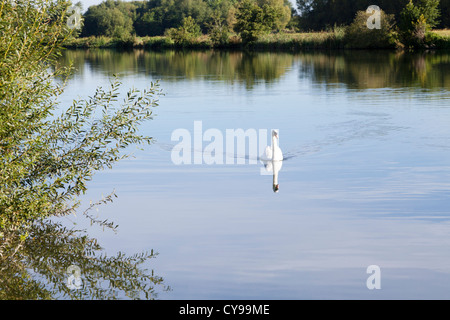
{"x":219,"y":35}
{"x":359,"y":35}
{"x":49,"y":153}
{"x":257,"y":18}
{"x":186,"y":33}
{"x":416,"y":21}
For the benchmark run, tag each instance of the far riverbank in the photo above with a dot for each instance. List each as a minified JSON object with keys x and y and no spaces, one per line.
{"x":279,"y":41}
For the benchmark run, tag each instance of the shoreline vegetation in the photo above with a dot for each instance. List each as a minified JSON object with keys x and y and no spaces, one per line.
{"x":286,"y":41}
{"x":410,"y":25}
{"x":323,"y":40}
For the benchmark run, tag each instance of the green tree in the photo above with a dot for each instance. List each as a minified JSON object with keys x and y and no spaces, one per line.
{"x":280,"y":11}
{"x":110,"y":18}
{"x":218,"y":31}
{"x":416,"y":21}
{"x":48,"y":152}
{"x":186,"y":33}
{"x":148,"y":24}
{"x":323,"y":14}
{"x":429,"y":9}
{"x":254,"y":20}
{"x":250,"y":22}
{"x":221,"y":21}
{"x":155,"y":16}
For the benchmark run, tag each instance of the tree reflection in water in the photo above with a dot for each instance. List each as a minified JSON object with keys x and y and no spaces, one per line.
{"x":358,"y":70}
{"x":248,"y":68}
{"x":34,"y":264}
{"x":363,"y":70}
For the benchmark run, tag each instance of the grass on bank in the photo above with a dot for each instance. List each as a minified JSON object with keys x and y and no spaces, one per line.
{"x":334,"y":39}
{"x":292,"y":41}
{"x":443,"y":32}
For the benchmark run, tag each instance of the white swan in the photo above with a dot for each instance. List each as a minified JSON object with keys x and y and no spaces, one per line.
{"x":272,"y":159}
{"x":273,"y":152}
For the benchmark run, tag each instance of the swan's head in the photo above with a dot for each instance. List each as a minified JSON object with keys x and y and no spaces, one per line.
{"x":276,"y":187}
{"x":274,"y":134}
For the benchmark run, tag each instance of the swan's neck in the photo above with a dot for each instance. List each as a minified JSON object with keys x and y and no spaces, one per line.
{"x":274,"y":143}
{"x":275,"y":177}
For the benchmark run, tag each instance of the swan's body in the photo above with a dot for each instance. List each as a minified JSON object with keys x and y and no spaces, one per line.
{"x":273,"y":152}
{"x":272,"y":159}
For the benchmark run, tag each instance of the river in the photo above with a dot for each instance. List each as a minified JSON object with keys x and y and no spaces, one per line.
{"x":365,"y":180}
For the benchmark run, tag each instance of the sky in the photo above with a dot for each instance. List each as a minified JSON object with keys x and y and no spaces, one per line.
{"x":88,"y":3}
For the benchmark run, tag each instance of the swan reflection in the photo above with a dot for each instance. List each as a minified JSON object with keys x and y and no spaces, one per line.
{"x":274,"y":167}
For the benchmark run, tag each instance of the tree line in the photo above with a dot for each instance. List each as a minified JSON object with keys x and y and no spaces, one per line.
{"x":319,"y":14}
{"x":157,"y":17}
{"x":120,"y":19}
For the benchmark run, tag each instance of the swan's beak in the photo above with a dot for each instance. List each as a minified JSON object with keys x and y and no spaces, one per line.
{"x":275,"y":134}
{"x":276,"y":187}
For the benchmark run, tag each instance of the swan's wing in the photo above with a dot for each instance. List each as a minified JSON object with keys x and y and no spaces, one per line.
{"x":267,"y":155}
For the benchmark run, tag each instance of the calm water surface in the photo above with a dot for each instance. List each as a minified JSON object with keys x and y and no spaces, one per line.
{"x":366,"y":180}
